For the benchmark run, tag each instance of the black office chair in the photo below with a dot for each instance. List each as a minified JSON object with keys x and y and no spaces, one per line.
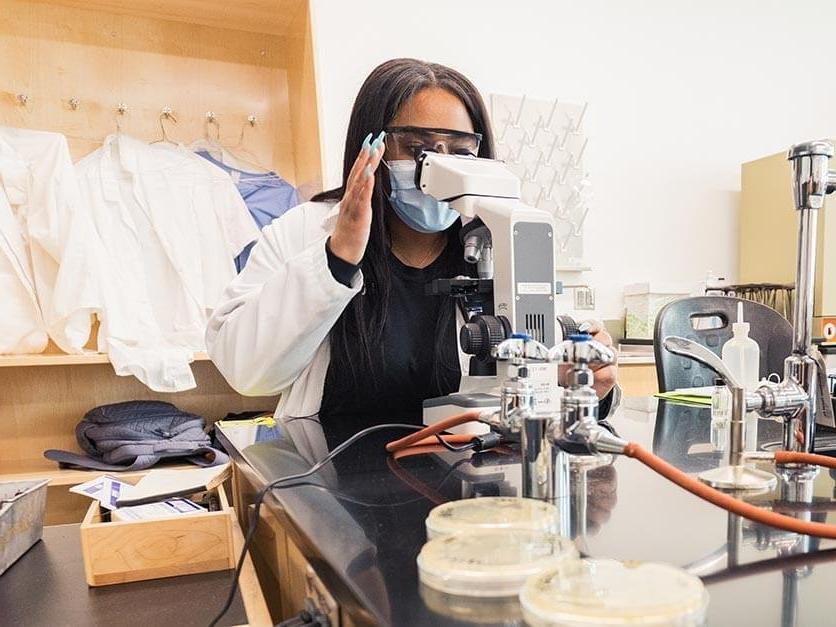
{"x":708,"y":320}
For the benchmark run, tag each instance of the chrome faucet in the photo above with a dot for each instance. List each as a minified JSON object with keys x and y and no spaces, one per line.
{"x":802,"y":398}
{"x":547,"y":438}
{"x":734,"y":475}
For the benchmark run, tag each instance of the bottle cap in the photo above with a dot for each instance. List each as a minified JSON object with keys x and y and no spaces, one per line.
{"x":740,"y":327}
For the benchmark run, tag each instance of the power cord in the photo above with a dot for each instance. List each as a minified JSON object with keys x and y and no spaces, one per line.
{"x":277,"y":485}
{"x":479,"y":443}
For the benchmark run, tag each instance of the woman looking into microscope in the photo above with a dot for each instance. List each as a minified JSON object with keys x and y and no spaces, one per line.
{"x":330,"y":310}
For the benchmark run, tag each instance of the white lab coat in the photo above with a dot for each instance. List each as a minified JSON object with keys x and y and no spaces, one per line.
{"x":22,"y":328}
{"x":270,"y":334}
{"x":171,"y":224}
{"x":53,"y":253}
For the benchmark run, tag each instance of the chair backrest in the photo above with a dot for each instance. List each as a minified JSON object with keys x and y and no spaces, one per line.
{"x":686,"y":316}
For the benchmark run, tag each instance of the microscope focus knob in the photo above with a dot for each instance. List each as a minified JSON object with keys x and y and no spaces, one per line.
{"x":480,"y":335}
{"x":568,"y":326}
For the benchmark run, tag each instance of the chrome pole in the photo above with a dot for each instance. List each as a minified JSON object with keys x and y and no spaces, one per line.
{"x":805,"y":281}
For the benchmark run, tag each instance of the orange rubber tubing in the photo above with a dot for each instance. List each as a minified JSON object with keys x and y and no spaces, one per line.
{"x":438,"y":427}
{"x":730,"y":503}
{"x":793,"y":457}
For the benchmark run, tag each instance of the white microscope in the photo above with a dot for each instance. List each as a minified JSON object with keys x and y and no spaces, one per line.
{"x":513,"y":294}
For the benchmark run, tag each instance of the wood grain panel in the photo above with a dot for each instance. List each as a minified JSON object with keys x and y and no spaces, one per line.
{"x":258,"y":16}
{"x":40,"y":406}
{"x":638,"y":379}
{"x":56,"y":53}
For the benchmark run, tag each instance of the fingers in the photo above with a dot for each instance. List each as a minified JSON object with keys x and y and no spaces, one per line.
{"x":605,"y":379}
{"x":359,"y":162}
{"x":366,"y":186}
{"x":596,"y":330}
{"x":361,"y":178}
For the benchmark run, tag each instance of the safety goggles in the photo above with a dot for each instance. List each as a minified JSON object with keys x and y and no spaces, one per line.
{"x":407,"y":142}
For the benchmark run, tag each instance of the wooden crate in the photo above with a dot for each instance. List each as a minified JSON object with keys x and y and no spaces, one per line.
{"x":119,"y":552}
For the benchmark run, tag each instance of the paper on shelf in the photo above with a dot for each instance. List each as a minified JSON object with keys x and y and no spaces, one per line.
{"x":171,"y":507}
{"x":105,"y":489}
{"x":161,"y":484}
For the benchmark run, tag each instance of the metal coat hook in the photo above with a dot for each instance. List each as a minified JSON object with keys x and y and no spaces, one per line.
{"x":165,"y":114}
{"x":121,"y":109}
{"x":23,"y":99}
{"x":252,"y":120}
{"x":212,"y":119}
{"x":74,"y":102}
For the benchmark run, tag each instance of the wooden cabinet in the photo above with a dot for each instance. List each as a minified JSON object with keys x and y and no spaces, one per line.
{"x":66,"y":67}
{"x":768,"y":236}
{"x":638,"y":379}
{"x":287,"y":579}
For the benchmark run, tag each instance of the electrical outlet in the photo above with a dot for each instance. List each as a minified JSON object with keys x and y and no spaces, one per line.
{"x":584,"y":298}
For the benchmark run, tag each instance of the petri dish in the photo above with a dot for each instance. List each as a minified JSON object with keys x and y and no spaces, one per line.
{"x":588,"y":592}
{"x":491,"y":513}
{"x":490,"y":563}
{"x":473,"y":610}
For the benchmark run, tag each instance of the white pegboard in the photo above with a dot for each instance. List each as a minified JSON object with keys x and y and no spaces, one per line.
{"x":543,"y":143}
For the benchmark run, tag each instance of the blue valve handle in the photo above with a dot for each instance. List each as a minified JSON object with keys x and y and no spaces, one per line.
{"x":580,"y":337}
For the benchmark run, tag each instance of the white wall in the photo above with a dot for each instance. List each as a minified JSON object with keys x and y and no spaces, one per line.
{"x":681,"y":93}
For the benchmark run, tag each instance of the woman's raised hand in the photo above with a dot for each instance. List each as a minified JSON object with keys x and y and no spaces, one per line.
{"x":351,"y":234}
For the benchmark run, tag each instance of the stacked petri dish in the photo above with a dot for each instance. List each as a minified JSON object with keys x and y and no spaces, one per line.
{"x":582,"y":593}
{"x":493,"y":513}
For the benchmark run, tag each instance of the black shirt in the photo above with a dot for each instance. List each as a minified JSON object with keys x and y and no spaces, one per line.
{"x":410,"y":370}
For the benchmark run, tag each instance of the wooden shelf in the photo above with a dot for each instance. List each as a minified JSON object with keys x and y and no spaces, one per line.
{"x":63,"y":359}
{"x":35,"y":469}
{"x":277,"y":17}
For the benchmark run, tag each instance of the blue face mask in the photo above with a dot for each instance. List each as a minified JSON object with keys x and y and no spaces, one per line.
{"x":419,"y":211}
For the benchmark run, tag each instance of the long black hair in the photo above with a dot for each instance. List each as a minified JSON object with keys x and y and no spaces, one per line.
{"x":356,"y":337}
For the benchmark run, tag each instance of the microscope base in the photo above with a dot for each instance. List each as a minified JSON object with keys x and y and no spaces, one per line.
{"x":738,"y":478}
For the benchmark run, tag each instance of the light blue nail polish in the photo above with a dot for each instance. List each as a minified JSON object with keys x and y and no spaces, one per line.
{"x":381,"y":136}
{"x":366,"y":141}
{"x":367,"y":172}
{"x":376,"y":144}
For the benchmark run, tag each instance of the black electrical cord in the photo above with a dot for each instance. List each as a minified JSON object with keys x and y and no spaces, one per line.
{"x":456,"y":449}
{"x":350,"y":499}
{"x":276,"y":485}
